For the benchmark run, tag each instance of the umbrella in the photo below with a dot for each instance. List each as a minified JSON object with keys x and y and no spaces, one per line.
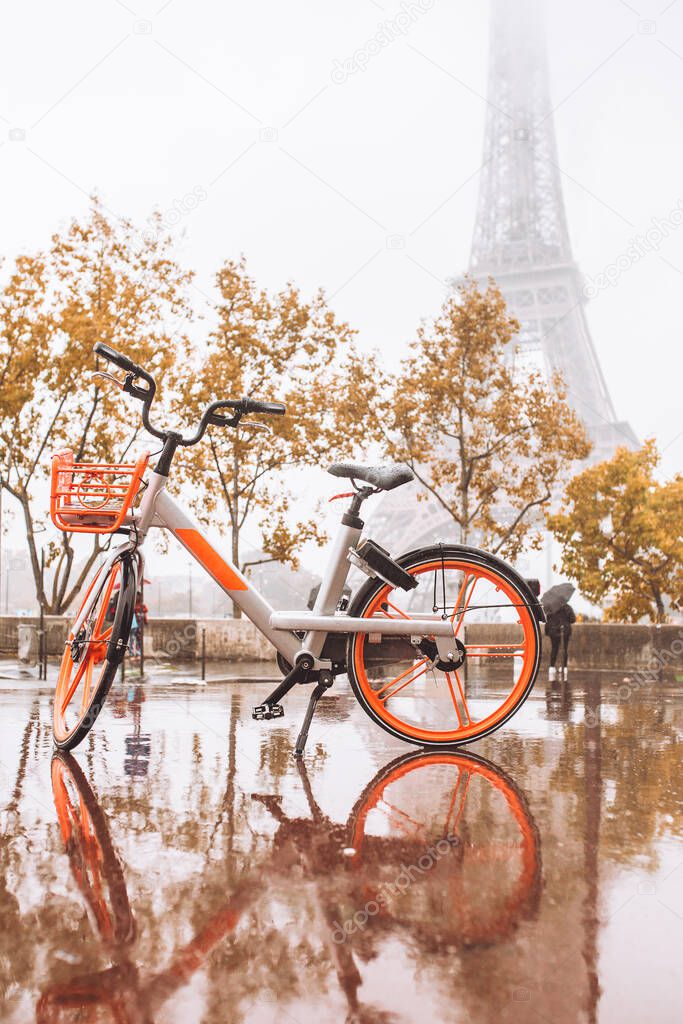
{"x":556,"y":597}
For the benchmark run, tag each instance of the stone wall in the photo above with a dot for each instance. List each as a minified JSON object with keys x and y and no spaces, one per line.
{"x":166,"y":639}
{"x":224,"y":640}
{"x":593,"y":645}
{"x":601,"y":645}
{"x":56,"y":627}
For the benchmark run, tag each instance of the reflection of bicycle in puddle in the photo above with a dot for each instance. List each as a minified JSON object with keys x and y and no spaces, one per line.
{"x":439,"y":847}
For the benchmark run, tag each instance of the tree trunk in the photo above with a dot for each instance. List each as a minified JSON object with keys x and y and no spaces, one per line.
{"x":659,"y":604}
{"x":464,"y":488}
{"x":43,"y":602}
{"x":464,"y":534}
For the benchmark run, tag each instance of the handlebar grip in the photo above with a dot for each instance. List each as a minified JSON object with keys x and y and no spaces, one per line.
{"x":272,"y":408}
{"x":116,"y":357}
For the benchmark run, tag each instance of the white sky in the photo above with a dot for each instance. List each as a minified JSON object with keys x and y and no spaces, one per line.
{"x":146,"y":103}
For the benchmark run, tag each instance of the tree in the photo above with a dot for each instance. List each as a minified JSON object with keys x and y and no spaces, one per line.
{"x":100,"y":280}
{"x":621,"y":532}
{"x":489,"y":441}
{"x":277,"y":347}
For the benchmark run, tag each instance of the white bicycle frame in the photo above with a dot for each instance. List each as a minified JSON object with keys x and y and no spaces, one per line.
{"x":159,"y":510}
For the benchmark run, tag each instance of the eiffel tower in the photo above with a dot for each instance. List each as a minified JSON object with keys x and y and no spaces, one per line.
{"x":521,"y":239}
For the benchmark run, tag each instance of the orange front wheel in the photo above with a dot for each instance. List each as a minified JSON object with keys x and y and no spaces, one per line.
{"x":412,"y":691}
{"x":94,"y":649}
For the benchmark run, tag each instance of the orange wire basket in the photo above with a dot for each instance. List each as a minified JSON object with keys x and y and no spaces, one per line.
{"x":92,"y":497}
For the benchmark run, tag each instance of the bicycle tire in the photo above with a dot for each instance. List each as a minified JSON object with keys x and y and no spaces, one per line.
{"x":105,"y":647}
{"x":366,"y":604}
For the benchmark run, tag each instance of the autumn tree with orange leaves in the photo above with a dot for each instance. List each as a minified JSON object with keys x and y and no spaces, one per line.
{"x":101,"y":279}
{"x":277,"y":346}
{"x":489,"y":442}
{"x":621,"y":531}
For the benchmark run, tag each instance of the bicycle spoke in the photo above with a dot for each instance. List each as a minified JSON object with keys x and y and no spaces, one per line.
{"x":453,"y":802}
{"x":73,"y":686}
{"x":475,"y":580}
{"x":105,"y":599}
{"x":399,"y":813}
{"x":462,"y":697}
{"x":452,"y":693}
{"x":388,"y":604}
{"x":461,"y":593}
{"x":87,"y":683}
{"x":463,"y":800}
{"x":425,"y":663}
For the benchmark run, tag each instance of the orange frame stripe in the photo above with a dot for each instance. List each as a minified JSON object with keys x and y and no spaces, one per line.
{"x":210,"y":559}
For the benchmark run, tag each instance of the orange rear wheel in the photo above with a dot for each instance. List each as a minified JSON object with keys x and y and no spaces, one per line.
{"x":411,"y":691}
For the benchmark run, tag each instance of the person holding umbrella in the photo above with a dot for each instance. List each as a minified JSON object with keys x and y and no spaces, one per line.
{"x":559,"y":616}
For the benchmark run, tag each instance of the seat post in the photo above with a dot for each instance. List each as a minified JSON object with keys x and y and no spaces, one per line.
{"x":352,"y":515}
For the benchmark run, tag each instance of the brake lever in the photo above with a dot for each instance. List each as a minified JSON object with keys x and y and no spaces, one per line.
{"x":109,"y":378}
{"x":216,"y":420}
{"x":257,"y":426}
{"x":131,"y":388}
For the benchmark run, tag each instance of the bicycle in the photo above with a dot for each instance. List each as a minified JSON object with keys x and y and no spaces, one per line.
{"x":400,"y":640}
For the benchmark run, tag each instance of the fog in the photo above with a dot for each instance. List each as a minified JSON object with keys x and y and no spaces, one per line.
{"x":339,"y":144}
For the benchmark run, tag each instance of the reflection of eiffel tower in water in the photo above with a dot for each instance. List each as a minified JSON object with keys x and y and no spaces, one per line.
{"x":521,"y":240}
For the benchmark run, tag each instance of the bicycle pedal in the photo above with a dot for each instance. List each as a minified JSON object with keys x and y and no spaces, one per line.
{"x":267,"y":711}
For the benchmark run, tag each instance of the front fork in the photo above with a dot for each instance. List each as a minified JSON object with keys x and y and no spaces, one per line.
{"x":125,"y":607}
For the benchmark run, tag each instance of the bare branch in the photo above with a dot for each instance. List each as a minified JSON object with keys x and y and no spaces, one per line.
{"x":46,"y":437}
{"x":448,"y":508}
{"x":527,"y":508}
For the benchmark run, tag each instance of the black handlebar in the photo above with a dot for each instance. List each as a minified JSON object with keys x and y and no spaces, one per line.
{"x":211,"y":415}
{"x":118,"y":358}
{"x":272,"y":408}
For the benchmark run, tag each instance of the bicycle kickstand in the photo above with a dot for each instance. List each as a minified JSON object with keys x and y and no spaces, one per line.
{"x":325,"y":682}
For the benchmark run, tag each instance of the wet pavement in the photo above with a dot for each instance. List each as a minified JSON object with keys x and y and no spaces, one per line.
{"x":182,"y":867}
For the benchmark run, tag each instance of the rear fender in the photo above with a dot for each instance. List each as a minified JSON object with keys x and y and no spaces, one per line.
{"x":476,"y":555}
{"x":517,"y":579}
